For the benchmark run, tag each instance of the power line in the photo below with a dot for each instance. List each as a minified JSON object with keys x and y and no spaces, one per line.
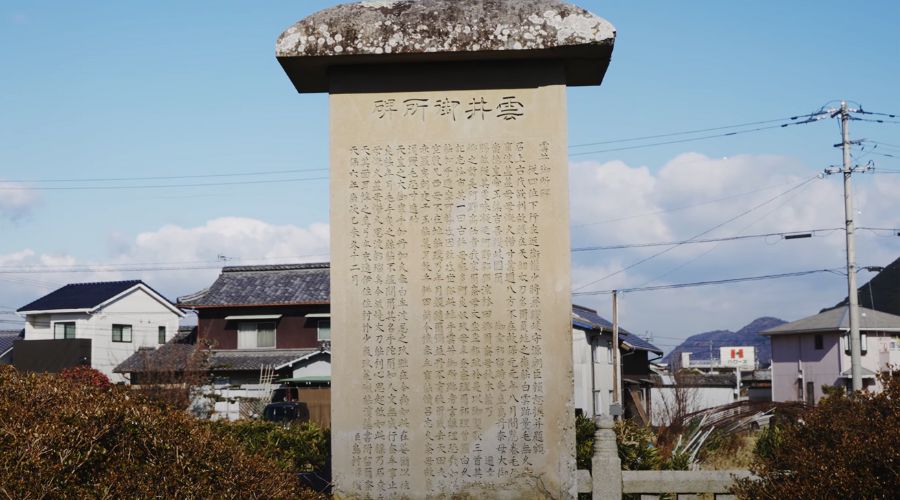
{"x":635,"y":264}
{"x":162,"y":177}
{"x":709,"y":283}
{"x":873,"y":120}
{"x":146,"y":267}
{"x":155,"y":186}
{"x":711,"y":249}
{"x":701,"y":138}
{"x":782,"y":234}
{"x":679,"y":208}
{"x":689,"y":132}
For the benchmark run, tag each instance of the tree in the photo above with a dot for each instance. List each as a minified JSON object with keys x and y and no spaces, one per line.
{"x":846,"y":447}
{"x":66,"y":439}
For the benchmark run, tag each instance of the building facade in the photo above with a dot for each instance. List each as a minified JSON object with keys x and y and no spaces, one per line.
{"x":118,"y":318}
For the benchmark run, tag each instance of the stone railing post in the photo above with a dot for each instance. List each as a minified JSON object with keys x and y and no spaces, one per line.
{"x":606,"y":468}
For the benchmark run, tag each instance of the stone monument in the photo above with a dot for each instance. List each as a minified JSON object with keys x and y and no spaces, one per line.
{"x":451,"y":312}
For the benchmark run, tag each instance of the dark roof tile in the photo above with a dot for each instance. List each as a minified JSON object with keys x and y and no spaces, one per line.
{"x":81,"y":295}
{"x":266,"y":285}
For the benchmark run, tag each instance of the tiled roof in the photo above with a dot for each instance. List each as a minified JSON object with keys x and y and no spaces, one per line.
{"x":81,"y":295}
{"x":641,"y":344}
{"x":174,"y":355}
{"x":266,"y":285}
{"x":838,"y":319}
{"x":253,"y":360}
{"x":588,"y":319}
{"x":8,"y":338}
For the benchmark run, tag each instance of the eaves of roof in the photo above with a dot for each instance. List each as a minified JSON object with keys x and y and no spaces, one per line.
{"x":278,"y":304}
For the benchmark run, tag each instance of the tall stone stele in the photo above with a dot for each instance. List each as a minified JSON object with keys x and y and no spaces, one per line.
{"x":451,"y":313}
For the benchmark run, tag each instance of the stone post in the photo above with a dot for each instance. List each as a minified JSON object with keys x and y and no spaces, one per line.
{"x":606,"y":467}
{"x":450,"y":279}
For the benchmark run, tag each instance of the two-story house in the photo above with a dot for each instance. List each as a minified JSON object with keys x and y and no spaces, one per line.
{"x":593,"y":367}
{"x":814,"y":352}
{"x":276,"y":316}
{"x":96,"y":324}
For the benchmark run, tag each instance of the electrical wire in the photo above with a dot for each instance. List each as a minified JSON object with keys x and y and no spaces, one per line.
{"x":148,"y":267}
{"x":697,"y":241}
{"x":714,"y":247}
{"x":169,"y":177}
{"x":695,"y":131}
{"x":709,"y":283}
{"x":646,"y":259}
{"x":813,"y":118}
{"x":679,"y":208}
{"x":874,"y":120}
{"x":155,"y":186}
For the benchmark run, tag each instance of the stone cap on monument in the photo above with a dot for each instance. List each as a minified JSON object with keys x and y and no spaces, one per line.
{"x":407,"y":32}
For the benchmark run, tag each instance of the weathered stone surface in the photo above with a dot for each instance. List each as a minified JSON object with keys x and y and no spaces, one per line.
{"x":424,"y":26}
{"x":452,"y":374}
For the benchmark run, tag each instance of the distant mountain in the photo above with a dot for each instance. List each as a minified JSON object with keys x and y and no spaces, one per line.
{"x":707,"y":344}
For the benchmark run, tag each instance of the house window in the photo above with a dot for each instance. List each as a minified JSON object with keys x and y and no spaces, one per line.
{"x":121,"y":333}
{"x":609,"y":353}
{"x":324,"y":328}
{"x":162,"y":335}
{"x":820,"y":342}
{"x":810,"y":394}
{"x":863,"y":343}
{"x":256,"y":335}
{"x":64,"y":330}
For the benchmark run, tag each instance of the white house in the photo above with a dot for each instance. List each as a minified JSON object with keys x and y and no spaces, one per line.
{"x":593,"y":368}
{"x":117,"y":317}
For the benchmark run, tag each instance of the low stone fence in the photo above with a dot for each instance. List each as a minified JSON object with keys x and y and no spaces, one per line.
{"x":607,"y":480}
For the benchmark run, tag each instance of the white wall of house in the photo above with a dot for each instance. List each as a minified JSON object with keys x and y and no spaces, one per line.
{"x":318,"y":367}
{"x":664,"y":400}
{"x":138,"y":309}
{"x":602,"y":372}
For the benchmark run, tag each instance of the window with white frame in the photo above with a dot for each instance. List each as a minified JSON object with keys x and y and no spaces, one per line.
{"x":121,"y":333}
{"x":324,"y":328}
{"x":64,"y":330}
{"x":863,"y":343}
{"x":256,"y":335}
{"x":162,"y":335}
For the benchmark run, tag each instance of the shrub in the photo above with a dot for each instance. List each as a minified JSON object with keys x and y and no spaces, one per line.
{"x":299,"y":446}
{"x":846,"y":447}
{"x":64,"y":439}
{"x":87,"y":376}
{"x":584,"y":441}
{"x":637,"y":450}
{"x":634,"y":443}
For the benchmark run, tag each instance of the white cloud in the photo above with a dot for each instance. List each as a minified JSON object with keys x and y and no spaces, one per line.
{"x":180,"y":251}
{"x":614,"y":203}
{"x":16,"y":200}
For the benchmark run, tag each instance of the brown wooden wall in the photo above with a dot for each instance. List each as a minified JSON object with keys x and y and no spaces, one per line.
{"x":292,"y":331}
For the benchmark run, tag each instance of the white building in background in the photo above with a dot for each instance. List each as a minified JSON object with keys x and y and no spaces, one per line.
{"x":593,"y":368}
{"x":676,"y":396}
{"x":117,"y":317}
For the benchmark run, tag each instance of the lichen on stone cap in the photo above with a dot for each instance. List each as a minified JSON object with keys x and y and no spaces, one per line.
{"x":379,"y":27}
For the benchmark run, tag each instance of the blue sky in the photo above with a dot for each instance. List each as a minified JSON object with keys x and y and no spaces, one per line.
{"x":115,"y":89}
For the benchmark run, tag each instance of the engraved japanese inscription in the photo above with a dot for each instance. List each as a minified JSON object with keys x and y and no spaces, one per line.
{"x":450,"y":290}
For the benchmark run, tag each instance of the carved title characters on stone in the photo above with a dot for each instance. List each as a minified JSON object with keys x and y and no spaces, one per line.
{"x":508,"y":108}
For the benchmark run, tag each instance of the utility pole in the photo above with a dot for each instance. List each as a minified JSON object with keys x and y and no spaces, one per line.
{"x":615,"y":408}
{"x":853,"y":299}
